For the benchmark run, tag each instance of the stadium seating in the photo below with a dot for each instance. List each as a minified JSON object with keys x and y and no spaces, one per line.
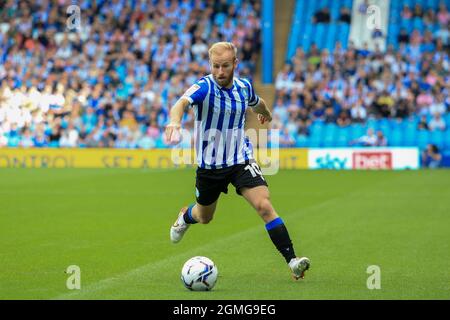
{"x":105,"y":86}
{"x":398,"y":131}
{"x":324,"y":35}
{"x":396,"y":22}
{"x":109,"y":97}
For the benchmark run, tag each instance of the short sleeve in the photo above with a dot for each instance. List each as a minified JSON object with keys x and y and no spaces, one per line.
{"x":197,"y":92}
{"x":253,"y":99}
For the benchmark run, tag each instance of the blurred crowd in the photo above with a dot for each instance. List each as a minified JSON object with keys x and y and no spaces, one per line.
{"x":110,"y":82}
{"x":354,"y":85}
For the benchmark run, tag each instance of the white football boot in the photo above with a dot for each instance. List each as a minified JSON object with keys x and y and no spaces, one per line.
{"x":179,"y":228}
{"x":299,"y":266}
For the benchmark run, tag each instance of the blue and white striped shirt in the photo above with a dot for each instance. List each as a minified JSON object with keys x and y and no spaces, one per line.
{"x":220,"y":139}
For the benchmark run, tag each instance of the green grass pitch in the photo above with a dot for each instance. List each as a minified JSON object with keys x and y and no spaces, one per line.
{"x":114,"y":224}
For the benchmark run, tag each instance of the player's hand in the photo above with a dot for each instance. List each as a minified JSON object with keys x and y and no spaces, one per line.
{"x":173,"y":135}
{"x":264,"y":118}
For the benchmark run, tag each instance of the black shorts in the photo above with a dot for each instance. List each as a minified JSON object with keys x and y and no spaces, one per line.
{"x":211,"y":182}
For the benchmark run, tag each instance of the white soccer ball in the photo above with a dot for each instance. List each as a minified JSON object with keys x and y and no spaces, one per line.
{"x":199,"y":274}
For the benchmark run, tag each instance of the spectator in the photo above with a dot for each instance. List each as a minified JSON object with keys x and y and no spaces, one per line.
{"x":69,"y":137}
{"x":377,"y":33}
{"x":364,"y":52}
{"x":319,"y":111}
{"x":428,"y":42}
{"x":55,"y":134}
{"x":284,"y":78}
{"x":358,"y":112}
{"x":381,"y":139}
{"x":314,"y":56}
{"x":384,"y":104}
{"x":418,"y":11}
{"x":129,"y":120}
{"x":303,"y":128}
{"x":423,"y":123}
{"x":153,"y":130}
{"x":121,"y":142}
{"x":304,"y":116}
{"x":431,"y":157}
{"x":199,"y":49}
{"x":438,"y":106}
{"x":402,"y":109}
{"x":443,"y":15}
{"x":40,"y":140}
{"x":442,"y":34}
{"x":363,"y":6}
{"x":291,"y":125}
{"x":403,"y":36}
{"x":286,"y":139}
{"x":146,"y":142}
{"x":406,"y":12}
{"x":329,"y":116}
{"x":92,"y":139}
{"x":322,"y":16}
{"x":276,"y":122}
{"x":343,"y":119}
{"x":27,"y":140}
{"x":368,"y":140}
{"x":345,"y":15}
{"x":106,"y":140}
{"x":429,"y":17}
{"x":436,"y":123}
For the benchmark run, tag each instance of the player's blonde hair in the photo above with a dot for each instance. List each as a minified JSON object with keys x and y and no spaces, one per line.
{"x":220,"y":47}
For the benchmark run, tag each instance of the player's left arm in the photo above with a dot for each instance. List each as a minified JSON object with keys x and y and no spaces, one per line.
{"x":258,"y":104}
{"x":263,"y":111}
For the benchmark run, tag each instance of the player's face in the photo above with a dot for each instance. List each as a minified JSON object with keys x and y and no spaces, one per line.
{"x":222,"y":67}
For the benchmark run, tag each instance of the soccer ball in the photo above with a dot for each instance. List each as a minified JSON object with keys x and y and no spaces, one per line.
{"x":199,"y":274}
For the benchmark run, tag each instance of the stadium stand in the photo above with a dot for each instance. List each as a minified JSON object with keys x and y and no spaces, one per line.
{"x":109,"y":83}
{"x":390,"y":92}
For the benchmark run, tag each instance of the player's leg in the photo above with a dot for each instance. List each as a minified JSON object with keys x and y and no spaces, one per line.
{"x":259,"y":198}
{"x":196,"y":213}
{"x":250,"y":183}
{"x":208,"y":189}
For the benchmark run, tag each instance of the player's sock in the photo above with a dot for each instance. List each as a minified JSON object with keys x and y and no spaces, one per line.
{"x":188,"y":216}
{"x":280,"y":238}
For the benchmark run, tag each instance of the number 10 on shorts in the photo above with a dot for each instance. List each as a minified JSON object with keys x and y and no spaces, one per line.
{"x":254,"y":170}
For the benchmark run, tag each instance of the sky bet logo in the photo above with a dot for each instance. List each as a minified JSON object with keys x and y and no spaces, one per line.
{"x":329,"y":162}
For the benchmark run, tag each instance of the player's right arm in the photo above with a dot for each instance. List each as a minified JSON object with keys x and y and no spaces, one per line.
{"x":176,"y":114}
{"x":193,"y":96}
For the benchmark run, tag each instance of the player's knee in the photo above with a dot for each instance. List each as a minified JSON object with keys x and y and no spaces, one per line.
{"x":264,"y":207}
